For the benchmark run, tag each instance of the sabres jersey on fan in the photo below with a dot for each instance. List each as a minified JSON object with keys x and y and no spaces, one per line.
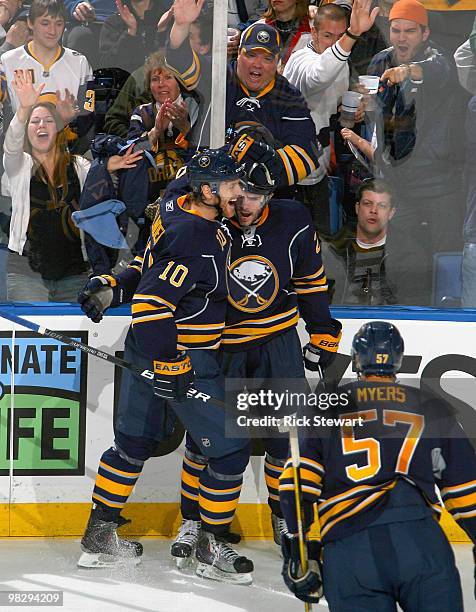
{"x":280,"y":107}
{"x":179,"y":299}
{"x":68,"y":70}
{"x":351,"y":471}
{"x":275,"y":275}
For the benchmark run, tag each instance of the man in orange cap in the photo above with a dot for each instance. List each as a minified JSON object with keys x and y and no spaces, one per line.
{"x":419,"y":122}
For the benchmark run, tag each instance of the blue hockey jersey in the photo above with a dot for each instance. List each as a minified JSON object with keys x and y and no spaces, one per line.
{"x":351,"y":470}
{"x":275,"y":275}
{"x":178,"y":284}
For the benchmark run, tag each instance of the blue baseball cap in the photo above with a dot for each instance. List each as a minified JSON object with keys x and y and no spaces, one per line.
{"x":261,"y":36}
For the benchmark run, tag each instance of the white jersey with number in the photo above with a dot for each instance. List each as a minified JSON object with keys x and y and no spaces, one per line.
{"x":69,"y":70}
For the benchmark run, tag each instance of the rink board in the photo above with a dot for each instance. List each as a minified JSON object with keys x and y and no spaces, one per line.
{"x":62,"y":403}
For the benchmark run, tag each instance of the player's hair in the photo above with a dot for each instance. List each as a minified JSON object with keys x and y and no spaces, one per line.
{"x":332,"y":12}
{"x":62,"y":156}
{"x":302,"y":10}
{"x":55,"y":8}
{"x":375,"y":185}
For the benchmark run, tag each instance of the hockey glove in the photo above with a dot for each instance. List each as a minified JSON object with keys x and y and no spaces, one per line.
{"x":306,"y":587}
{"x":173,"y":377}
{"x":247,"y":149}
{"x":322,"y":349}
{"x":97,"y":295}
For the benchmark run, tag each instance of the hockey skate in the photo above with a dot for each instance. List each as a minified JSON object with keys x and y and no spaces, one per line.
{"x":185,"y":543}
{"x":279,"y":529}
{"x":218,"y":561}
{"x":102,"y":547}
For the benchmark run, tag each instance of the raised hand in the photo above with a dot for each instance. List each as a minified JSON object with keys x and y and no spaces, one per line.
{"x":187,"y":11}
{"x":362,"y":17}
{"x":18,"y":34}
{"x":4,"y":15}
{"x":26,"y":92}
{"x":165,"y":20}
{"x":127,"y":17}
{"x":67,"y":107}
{"x":124,"y":162}
{"x":84,"y":12}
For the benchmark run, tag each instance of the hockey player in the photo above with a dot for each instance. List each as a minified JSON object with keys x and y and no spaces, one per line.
{"x":374,"y":487}
{"x":275,"y":275}
{"x":178,"y":316}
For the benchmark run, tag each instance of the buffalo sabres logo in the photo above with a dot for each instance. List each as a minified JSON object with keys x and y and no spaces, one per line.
{"x":253,"y":283}
{"x":262,"y":36}
{"x":204,"y":161}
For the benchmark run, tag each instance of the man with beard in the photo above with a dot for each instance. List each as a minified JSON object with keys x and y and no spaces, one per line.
{"x":418,"y":130}
{"x":371,"y":265}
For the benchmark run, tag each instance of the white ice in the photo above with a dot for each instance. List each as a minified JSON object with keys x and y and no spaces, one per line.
{"x":50,"y":564}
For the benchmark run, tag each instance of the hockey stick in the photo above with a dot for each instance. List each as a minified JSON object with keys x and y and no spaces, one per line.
{"x":147,"y":375}
{"x":296,"y":461}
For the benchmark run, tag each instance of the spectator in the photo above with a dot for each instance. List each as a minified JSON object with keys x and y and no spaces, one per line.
{"x":64,"y":73}
{"x":166,"y":122}
{"x":255,"y":94}
{"x":45,"y":183}
{"x":321,"y":73}
{"x":419,"y":131}
{"x":14,"y":25}
{"x":291,"y":19}
{"x":87,"y":17}
{"x":465,"y":58}
{"x":371,"y":264}
{"x":129,"y":37}
{"x":135,"y":92}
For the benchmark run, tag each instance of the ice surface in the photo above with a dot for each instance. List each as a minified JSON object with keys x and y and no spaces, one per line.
{"x":155,"y":584}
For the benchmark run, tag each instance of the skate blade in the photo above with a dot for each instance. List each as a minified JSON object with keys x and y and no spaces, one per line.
{"x":183,"y":562}
{"x":99,"y":560}
{"x":213,"y":573}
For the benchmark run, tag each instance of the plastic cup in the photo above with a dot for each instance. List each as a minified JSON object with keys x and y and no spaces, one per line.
{"x":232,"y":33}
{"x":350,"y":104}
{"x":371,"y":83}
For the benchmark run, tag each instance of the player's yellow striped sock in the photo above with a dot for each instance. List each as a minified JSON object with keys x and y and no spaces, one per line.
{"x":192,"y":467}
{"x":218,"y":498}
{"x":273,"y":468}
{"x":115,"y":480}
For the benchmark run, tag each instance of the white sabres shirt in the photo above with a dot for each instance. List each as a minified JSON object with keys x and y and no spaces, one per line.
{"x":69,"y":70}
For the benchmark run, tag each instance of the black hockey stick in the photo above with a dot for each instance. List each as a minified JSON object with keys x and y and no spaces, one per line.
{"x":147,"y":375}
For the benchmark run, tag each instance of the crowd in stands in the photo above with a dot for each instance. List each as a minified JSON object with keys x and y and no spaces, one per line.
{"x":104,"y":101}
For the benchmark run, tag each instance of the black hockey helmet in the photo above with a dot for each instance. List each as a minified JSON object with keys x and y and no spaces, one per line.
{"x":258,"y":179}
{"x":377,"y":348}
{"x":212,"y":166}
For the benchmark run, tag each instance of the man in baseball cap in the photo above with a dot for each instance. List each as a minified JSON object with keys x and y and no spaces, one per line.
{"x":258,"y":56}
{"x":260,"y":37}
